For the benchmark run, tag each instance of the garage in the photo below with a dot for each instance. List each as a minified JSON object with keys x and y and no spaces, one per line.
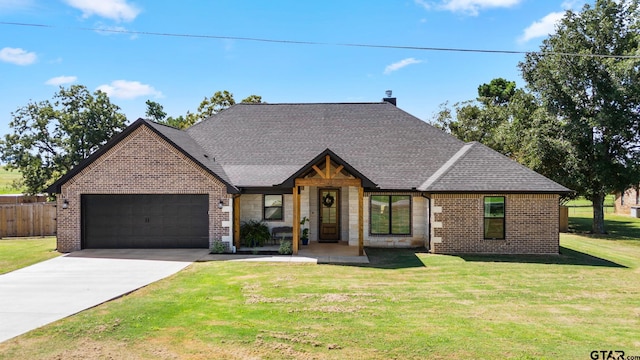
{"x":160,"y":221}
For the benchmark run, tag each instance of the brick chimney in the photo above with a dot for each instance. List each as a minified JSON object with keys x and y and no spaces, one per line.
{"x":388,"y":98}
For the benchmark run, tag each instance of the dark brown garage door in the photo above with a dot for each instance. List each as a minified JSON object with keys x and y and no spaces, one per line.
{"x":145,"y":221}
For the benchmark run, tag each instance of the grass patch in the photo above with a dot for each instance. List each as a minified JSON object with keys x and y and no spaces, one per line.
{"x":618,"y":227}
{"x":18,"y":253}
{"x":583,"y":207}
{"x":7,"y":179}
{"x":406,"y":304}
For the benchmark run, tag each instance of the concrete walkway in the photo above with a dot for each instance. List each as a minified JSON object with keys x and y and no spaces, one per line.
{"x":54,"y":289}
{"x":339,"y":253}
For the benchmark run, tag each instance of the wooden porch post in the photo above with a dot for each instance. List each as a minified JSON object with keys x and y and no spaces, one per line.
{"x":296,"y":219}
{"x":236,"y":221}
{"x":360,"y":221}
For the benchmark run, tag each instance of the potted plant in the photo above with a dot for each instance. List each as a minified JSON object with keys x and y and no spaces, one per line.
{"x":254,"y":233}
{"x":305,"y":232}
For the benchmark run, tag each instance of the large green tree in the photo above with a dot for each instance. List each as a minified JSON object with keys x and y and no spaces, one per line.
{"x":51,"y":137}
{"x":209,"y":106}
{"x":588,"y":76}
{"x":497,"y":118}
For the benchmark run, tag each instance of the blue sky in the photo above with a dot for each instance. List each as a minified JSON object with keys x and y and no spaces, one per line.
{"x":178,"y":72}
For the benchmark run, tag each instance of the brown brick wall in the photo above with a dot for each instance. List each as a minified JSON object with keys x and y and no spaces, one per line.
{"x":531,"y":222}
{"x":142,"y":163}
{"x":622,"y":205}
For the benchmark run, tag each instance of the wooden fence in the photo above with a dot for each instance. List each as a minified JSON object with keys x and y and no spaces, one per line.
{"x":28,"y":219}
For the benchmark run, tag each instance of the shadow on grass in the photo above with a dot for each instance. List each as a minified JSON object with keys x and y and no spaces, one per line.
{"x":566,"y":257}
{"x":393,"y":258}
{"x":619,"y":229}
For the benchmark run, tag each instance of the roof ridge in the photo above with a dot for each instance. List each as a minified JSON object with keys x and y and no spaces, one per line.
{"x":317,"y":103}
{"x":447,"y":166}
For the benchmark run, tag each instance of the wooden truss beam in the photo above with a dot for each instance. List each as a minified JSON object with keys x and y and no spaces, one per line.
{"x":328,"y":182}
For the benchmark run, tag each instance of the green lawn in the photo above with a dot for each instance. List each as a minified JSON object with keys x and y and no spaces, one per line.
{"x":7,"y":179}
{"x":18,"y":253}
{"x":618,"y":227}
{"x":583,"y":206}
{"x":405,"y":305}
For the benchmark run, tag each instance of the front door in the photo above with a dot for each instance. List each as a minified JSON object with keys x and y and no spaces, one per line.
{"x":329,"y":200}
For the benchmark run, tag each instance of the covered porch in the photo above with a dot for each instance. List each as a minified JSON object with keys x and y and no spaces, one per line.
{"x":325,"y":253}
{"x":327,"y":193}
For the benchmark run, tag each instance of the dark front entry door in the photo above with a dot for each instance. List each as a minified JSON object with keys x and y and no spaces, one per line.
{"x":329,"y":200}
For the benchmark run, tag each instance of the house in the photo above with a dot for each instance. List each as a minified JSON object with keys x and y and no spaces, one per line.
{"x":366,"y":174}
{"x":628,"y":202}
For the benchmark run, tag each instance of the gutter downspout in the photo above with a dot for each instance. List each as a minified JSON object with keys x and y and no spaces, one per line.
{"x":429,"y":228}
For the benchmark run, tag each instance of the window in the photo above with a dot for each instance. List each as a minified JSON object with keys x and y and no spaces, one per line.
{"x":273,"y":207}
{"x":390,"y":215}
{"x":494,"y":217}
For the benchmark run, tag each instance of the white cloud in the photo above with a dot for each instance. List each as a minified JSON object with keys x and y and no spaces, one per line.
{"x":573,"y":4}
{"x":118,"y":10}
{"x":400,"y":64}
{"x":424,"y":4}
{"x":542,"y":27}
{"x":17,"y":56}
{"x":124,"y":89}
{"x":15,"y":4}
{"x":61,"y":80}
{"x":472,"y":7}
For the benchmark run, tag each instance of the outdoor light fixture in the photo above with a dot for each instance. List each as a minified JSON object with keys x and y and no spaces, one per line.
{"x":65,"y":204}
{"x":220,"y":204}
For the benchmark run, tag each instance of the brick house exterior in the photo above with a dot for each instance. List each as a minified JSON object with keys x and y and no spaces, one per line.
{"x":531,"y":222}
{"x":626,"y":200}
{"x":366,"y":174}
{"x":130,"y":167}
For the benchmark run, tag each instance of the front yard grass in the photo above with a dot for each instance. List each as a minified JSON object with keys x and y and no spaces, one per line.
{"x":16,"y":253}
{"x":406,"y":305}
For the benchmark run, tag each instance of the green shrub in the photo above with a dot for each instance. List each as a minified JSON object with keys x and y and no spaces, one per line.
{"x":254,"y":233}
{"x":286,"y":248}
{"x":217,"y":247}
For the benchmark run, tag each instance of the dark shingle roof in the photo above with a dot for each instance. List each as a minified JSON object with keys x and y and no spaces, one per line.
{"x":477,"y":168}
{"x":264,"y":144}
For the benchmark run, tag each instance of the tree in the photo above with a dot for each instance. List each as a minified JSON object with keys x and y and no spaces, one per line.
{"x":155,"y":111}
{"x":219,"y":101}
{"x":594,"y":100}
{"x":49,"y":138}
{"x":490,"y":117}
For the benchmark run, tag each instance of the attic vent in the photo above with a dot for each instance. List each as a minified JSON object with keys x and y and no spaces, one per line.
{"x":388,"y":97}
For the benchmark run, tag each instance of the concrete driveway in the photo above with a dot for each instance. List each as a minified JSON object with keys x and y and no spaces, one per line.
{"x":54,"y":289}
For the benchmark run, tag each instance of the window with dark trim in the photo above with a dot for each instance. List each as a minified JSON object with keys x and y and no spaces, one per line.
{"x":494,"y":217}
{"x":273,"y":207}
{"x":390,"y":215}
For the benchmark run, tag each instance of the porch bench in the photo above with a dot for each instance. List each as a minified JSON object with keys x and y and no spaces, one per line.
{"x":281,"y":232}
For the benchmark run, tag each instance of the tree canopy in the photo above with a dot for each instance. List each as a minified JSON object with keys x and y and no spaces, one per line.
{"x":51,"y":137}
{"x":594,"y":98}
{"x":498,"y":118}
{"x":209,"y":106}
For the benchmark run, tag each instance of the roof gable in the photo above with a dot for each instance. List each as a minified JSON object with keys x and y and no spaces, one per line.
{"x":177,"y":138}
{"x":327,"y":155}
